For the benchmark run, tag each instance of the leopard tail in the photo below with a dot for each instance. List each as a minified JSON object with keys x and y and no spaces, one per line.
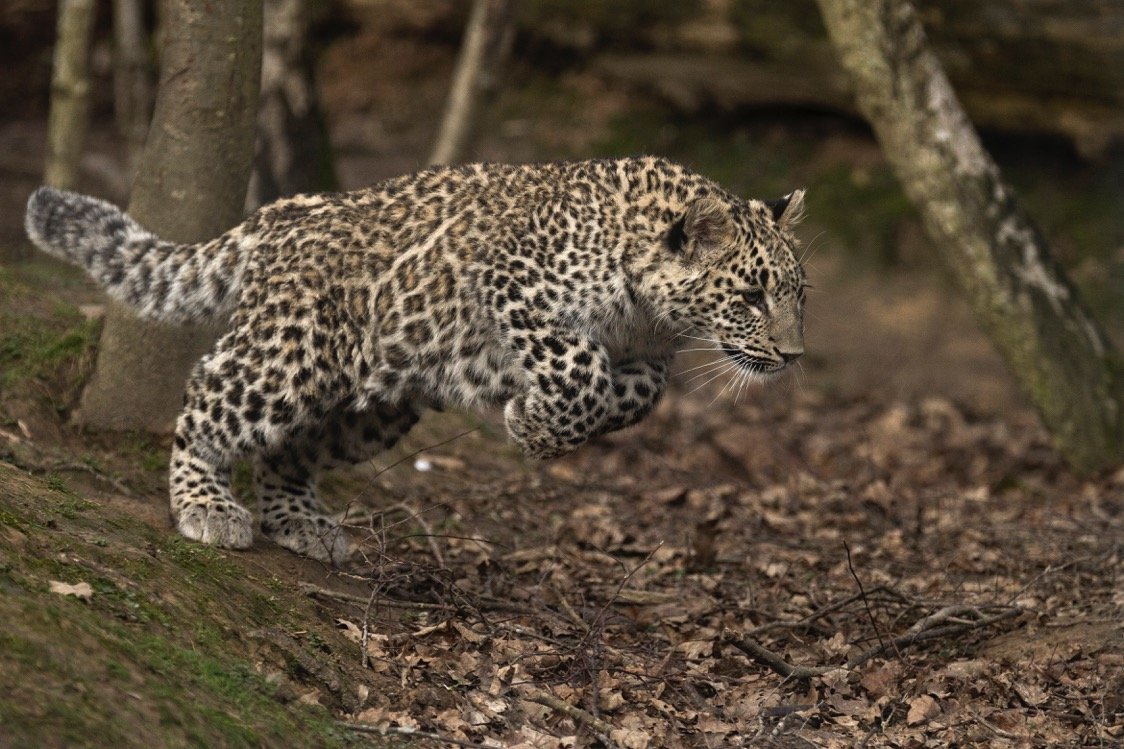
{"x":161,"y":280}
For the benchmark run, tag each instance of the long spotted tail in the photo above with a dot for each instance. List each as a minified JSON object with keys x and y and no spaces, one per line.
{"x":161,"y":280}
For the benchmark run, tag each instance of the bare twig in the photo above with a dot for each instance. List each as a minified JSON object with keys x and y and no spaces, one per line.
{"x":430,"y":537}
{"x":411,"y":732}
{"x":819,"y":613}
{"x":600,"y":728}
{"x":316,"y":591}
{"x":945,"y":622}
{"x":421,"y":450}
{"x":569,"y":611}
{"x":862,"y":592}
{"x":916,"y":635}
{"x":84,"y":468}
{"x":994,"y":728}
{"x":775,"y":661}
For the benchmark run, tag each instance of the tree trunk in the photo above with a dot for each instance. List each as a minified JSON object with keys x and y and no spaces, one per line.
{"x":485,"y":40}
{"x":70,"y":93}
{"x":293,"y":152}
{"x":1063,"y":361}
{"x":190,"y":187}
{"x":132,"y":91}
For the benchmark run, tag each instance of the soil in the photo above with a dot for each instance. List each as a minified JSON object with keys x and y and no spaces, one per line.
{"x":882,"y":550}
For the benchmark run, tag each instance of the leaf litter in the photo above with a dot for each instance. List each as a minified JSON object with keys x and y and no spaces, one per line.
{"x":796,"y":572}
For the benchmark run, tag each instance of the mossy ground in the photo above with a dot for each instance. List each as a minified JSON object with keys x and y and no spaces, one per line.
{"x":162,"y":654}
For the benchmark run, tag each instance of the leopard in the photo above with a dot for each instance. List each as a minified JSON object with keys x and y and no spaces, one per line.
{"x":557,"y":293}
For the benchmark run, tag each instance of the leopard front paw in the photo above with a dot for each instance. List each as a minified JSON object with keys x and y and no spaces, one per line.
{"x":532,"y":434}
{"x":217,"y":522}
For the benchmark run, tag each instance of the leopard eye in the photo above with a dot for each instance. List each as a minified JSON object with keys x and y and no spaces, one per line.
{"x":755,"y":298}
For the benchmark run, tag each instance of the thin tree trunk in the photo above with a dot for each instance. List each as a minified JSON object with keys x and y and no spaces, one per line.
{"x":293,"y":153}
{"x":132,"y":89}
{"x":1063,"y":361}
{"x":70,"y":93}
{"x":190,"y":187}
{"x":485,"y":40}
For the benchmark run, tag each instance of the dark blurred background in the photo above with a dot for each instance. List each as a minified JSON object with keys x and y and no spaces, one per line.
{"x":745,"y":91}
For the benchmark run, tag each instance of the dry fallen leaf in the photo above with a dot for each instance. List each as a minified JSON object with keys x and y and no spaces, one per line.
{"x":1031,"y":694}
{"x":350,"y":630}
{"x":82,"y":591}
{"x":921,"y":710}
{"x":630,"y":738}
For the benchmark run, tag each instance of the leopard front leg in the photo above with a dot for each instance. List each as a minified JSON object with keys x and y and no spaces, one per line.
{"x":637,"y":388}
{"x":567,"y":397}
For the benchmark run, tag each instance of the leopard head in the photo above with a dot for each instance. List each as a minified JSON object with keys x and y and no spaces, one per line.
{"x":730,"y":276}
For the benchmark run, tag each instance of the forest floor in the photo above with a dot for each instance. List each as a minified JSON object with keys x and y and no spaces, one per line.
{"x":785,"y":568}
{"x":881,"y":550}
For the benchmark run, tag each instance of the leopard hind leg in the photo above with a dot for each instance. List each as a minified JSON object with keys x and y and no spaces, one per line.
{"x":293,"y":516}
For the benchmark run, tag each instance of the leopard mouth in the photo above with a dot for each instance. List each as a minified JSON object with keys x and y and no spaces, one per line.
{"x":753,"y":364}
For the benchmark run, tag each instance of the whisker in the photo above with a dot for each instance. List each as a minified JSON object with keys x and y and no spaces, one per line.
{"x":696,"y":338}
{"x":729,"y":382}
{"x":711,"y":367}
{"x":710,"y":363}
{"x":741,"y":387}
{"x":715,"y":377}
{"x":810,"y":251}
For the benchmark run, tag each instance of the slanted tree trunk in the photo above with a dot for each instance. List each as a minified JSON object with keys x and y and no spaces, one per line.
{"x":190,"y":187}
{"x":132,"y":90}
{"x":1063,"y":361}
{"x":70,"y":93}
{"x":485,"y":41}
{"x":293,"y":152}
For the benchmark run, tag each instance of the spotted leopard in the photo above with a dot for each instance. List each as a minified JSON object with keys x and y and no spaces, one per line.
{"x":556,"y":291}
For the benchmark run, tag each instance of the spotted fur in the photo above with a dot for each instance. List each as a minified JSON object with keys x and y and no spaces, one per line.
{"x":555,"y":291}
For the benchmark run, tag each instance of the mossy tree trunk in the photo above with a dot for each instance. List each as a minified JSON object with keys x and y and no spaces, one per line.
{"x":190,"y":186}
{"x":1062,"y":359}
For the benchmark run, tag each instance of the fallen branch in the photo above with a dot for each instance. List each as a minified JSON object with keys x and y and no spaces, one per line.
{"x":925,"y":630}
{"x":82,"y":467}
{"x":411,"y":732}
{"x":315,"y":591}
{"x":600,"y":728}
{"x":949,"y":621}
{"x":481,"y":603}
{"x":819,"y":613}
{"x":775,"y":661}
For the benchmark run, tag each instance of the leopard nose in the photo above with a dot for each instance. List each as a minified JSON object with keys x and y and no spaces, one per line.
{"x":790,"y":356}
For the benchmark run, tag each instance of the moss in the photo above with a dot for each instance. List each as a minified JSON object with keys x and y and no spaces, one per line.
{"x":31,"y":348}
{"x":156,"y":657}
{"x":12,"y":520}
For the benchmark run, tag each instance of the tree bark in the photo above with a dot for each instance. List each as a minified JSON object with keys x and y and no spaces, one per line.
{"x":132,"y":90}
{"x":293,"y":153}
{"x":483,"y":48}
{"x":1062,"y":359}
{"x":190,"y":187}
{"x":70,"y":93}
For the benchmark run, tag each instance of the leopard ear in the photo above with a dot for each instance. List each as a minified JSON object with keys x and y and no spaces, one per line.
{"x":706,"y":226}
{"x":787,"y":211}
